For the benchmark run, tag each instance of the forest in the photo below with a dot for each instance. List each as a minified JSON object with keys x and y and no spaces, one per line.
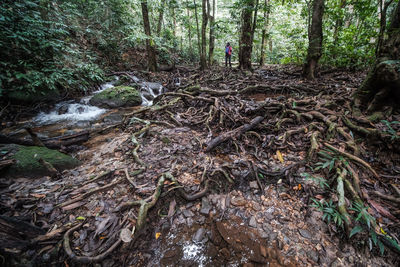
{"x":200,"y":133}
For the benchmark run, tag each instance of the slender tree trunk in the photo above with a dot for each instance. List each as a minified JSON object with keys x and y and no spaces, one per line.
{"x":197,"y":26}
{"x":338,"y":24}
{"x":212,"y":36}
{"x":173,"y":21}
{"x":246,"y":38}
{"x":264,"y":34}
{"x":382,"y":27}
{"x":254,"y":26}
{"x":203,"y":56}
{"x":151,"y":51}
{"x":189,"y":32}
{"x":315,"y":40}
{"x":160,"y":17}
{"x":382,"y":85}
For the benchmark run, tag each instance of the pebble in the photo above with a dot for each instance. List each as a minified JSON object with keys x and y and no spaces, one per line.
{"x":238,"y":201}
{"x":205,"y":206}
{"x":187,"y":213}
{"x":253,"y":222}
{"x":305,"y":233}
{"x":313,"y":255}
{"x":199,"y":235}
{"x":256,"y":206}
{"x":254,"y":185}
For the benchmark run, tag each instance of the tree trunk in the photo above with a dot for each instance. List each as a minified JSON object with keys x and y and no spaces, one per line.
{"x":254,"y":26}
{"x":203,"y":56}
{"x":382,"y":27}
{"x":160,"y":18}
{"x":264,"y":34}
{"x":246,"y":38}
{"x":315,"y":40}
{"x":173,"y":21}
{"x":197,"y":25}
{"x":189,"y":33}
{"x":151,"y":51}
{"x":212,"y":36}
{"x":382,"y":85}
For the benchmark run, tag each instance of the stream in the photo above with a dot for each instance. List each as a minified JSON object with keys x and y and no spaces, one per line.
{"x":72,"y":116}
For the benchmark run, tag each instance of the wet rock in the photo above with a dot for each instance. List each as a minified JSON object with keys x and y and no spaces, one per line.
{"x":253,"y":222}
{"x":62,"y":110}
{"x":199,"y":235}
{"x":304,"y":233}
{"x":238,"y":201}
{"x":113,"y":118}
{"x":253,"y":185}
{"x":119,"y":96}
{"x":205,"y":206}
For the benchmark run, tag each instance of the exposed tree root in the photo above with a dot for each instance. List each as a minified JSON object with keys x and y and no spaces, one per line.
{"x":354,"y":158}
{"x":234,"y":133}
{"x":85,"y":259}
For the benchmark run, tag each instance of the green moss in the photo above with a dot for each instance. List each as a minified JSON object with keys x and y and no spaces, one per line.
{"x":119,"y":96}
{"x":377,"y":116}
{"x":27,"y":160}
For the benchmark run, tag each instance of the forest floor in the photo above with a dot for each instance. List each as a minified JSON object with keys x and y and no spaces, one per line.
{"x":223,"y":170}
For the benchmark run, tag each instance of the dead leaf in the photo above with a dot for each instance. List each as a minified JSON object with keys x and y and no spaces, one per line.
{"x":158,"y":234}
{"x":171,"y":210}
{"x":279,"y":155}
{"x":73,"y":206}
{"x":382,"y":210}
{"x":126,"y":235}
{"x":38,"y":195}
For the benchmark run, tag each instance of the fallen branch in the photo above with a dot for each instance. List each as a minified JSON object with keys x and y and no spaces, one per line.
{"x":234,"y":133}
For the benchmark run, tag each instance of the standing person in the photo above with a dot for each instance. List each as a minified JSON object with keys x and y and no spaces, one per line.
{"x":228,"y":54}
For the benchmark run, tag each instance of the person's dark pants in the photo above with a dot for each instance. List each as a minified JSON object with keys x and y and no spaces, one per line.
{"x":227,"y":56}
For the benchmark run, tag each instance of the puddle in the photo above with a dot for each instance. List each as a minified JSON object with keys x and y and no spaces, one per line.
{"x":216,"y":243}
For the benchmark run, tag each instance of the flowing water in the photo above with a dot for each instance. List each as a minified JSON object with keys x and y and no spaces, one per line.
{"x":68,"y":117}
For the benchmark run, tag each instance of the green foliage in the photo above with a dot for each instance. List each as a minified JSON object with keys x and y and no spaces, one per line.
{"x":330,"y":212}
{"x":328,"y":159}
{"x":322,"y":182}
{"x":390,"y":129}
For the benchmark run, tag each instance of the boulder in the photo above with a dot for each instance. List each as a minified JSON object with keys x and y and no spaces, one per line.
{"x":115,"y":97}
{"x":27,"y":160}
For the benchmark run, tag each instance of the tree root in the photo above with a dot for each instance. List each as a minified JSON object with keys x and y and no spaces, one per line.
{"x":103,"y":175}
{"x":234,"y":133}
{"x":91,"y":192}
{"x":341,"y":202}
{"x":354,"y":158}
{"x":85,"y":259}
{"x":390,"y":198}
{"x":185,"y":195}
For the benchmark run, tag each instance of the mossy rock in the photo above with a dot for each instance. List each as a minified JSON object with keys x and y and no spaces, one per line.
{"x":28,"y":165}
{"x":115,"y":97}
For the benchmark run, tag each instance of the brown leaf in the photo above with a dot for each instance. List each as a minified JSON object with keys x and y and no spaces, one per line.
{"x":73,"y":206}
{"x":171,"y":210}
{"x":382,"y":210}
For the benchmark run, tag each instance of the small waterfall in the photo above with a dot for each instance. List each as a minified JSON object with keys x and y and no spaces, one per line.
{"x":69,"y":111}
{"x":149,"y":91}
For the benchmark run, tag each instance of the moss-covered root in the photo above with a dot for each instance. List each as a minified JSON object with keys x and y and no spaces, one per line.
{"x":341,"y":202}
